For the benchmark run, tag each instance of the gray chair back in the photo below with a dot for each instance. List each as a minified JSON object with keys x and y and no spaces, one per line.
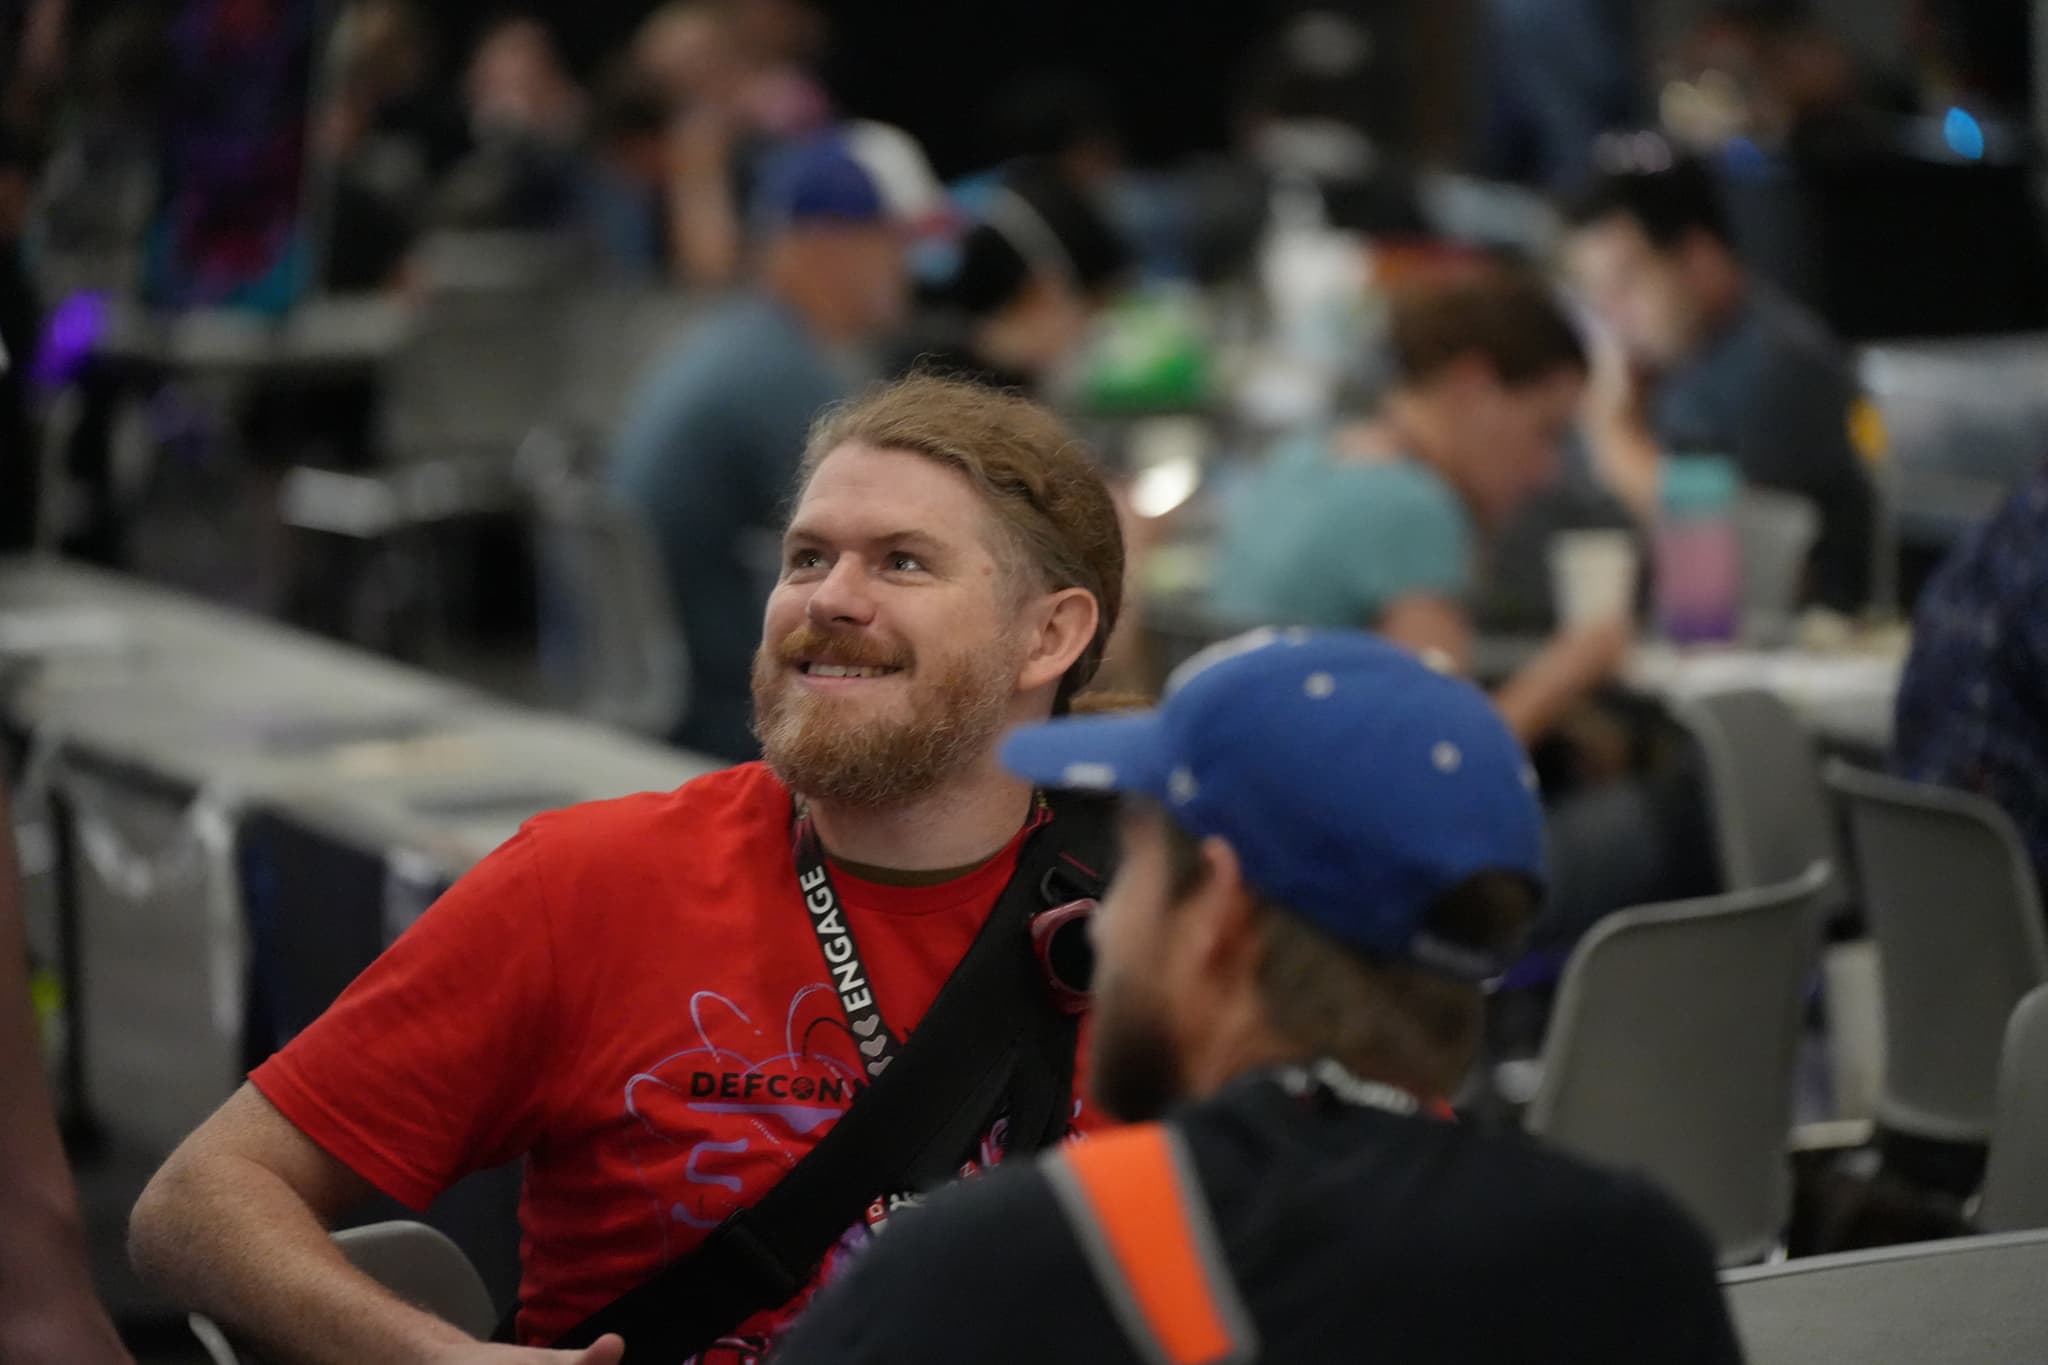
{"x":612,"y":643}
{"x":413,"y":1261}
{"x":1957,"y":918}
{"x":2016,"y":1180}
{"x":1771,"y":815}
{"x":1672,"y":1049}
{"x":1970,"y":1301}
{"x":426,"y":1269}
{"x":485,"y":361}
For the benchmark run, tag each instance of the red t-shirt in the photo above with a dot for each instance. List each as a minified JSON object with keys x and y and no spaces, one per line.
{"x":630,"y":995}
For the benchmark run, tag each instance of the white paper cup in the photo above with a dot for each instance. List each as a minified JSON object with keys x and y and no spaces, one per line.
{"x":1592,"y":576}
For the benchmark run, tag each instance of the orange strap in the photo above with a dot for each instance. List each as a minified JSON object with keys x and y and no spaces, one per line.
{"x":1136,"y":1205}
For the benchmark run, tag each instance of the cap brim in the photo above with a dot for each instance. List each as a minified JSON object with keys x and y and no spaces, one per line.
{"x":1125,"y":753}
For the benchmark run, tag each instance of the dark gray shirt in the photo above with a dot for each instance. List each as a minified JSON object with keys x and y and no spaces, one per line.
{"x":1351,"y":1234}
{"x":1774,"y":391}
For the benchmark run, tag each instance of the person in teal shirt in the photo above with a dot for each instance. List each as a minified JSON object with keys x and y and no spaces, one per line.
{"x":1381,"y":523}
{"x":1362,"y":533}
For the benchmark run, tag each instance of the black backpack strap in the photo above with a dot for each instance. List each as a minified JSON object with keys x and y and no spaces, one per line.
{"x":993,"y":1034}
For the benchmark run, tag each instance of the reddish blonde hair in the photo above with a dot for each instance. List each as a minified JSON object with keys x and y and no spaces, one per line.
{"x":1042,"y":485}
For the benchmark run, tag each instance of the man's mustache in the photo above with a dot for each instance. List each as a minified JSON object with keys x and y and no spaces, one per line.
{"x":808,"y":644}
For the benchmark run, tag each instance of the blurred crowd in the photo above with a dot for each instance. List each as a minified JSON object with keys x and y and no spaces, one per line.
{"x":1484,"y":308}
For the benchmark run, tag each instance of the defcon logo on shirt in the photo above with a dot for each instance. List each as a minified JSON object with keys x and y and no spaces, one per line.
{"x":752,"y":1085}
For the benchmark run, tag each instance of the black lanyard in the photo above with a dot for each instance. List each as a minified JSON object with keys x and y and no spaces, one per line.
{"x":856,"y":990}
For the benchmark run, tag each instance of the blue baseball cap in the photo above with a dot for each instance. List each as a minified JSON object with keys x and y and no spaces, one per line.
{"x":858,"y":173}
{"x":1356,"y":784}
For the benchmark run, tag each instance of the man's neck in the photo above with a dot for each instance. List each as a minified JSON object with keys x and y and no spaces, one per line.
{"x":1417,"y":421}
{"x":1724,"y":301}
{"x":960,"y":826}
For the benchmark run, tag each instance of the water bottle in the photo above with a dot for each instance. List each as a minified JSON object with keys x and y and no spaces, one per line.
{"x":1699,"y":567}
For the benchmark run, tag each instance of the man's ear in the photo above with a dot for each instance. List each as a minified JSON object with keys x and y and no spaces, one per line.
{"x":1220,"y":919}
{"x":1062,"y":627}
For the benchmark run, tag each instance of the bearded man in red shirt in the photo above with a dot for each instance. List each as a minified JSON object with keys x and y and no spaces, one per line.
{"x":664,"y":1002}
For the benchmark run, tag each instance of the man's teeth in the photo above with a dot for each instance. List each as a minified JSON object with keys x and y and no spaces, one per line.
{"x":840,"y":671}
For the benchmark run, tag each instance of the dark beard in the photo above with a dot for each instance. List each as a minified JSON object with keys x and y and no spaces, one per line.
{"x":1134,"y":1070}
{"x":953,"y":720}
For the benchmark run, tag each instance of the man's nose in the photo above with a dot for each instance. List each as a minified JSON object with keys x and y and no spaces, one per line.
{"x":842,"y":597}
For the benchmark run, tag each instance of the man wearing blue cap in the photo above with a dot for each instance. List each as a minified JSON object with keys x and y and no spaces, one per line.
{"x":711,"y":440}
{"x":1327,"y":849}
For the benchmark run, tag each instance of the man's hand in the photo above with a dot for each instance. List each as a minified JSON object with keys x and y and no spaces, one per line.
{"x":1592,"y":655}
{"x":607,"y":1350}
{"x":1624,"y":448}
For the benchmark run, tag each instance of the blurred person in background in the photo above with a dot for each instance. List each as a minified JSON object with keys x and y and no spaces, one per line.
{"x":1380,"y":524}
{"x":710,"y":441}
{"x":1973,"y":705}
{"x":48,"y":1312}
{"x":230,"y":228}
{"x":100,"y":180}
{"x":736,"y":77}
{"x":1288,"y":991}
{"x":32,"y":52}
{"x":526,"y":120}
{"x":389,"y":135}
{"x":668,"y":1023}
{"x":621,"y":210}
{"x":1384,"y":524}
{"x":1557,"y":74}
{"x":1769,"y":73}
{"x":1700,"y":357}
{"x":1032,"y":274}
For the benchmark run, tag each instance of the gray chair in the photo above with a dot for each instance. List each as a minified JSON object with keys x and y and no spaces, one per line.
{"x":612,"y":642}
{"x":1672,"y":1048}
{"x":1771,"y":815}
{"x":1772,"y":819}
{"x":1957,"y":917}
{"x":2016,"y":1179}
{"x":1970,"y":1301}
{"x":476,"y":373}
{"x":413,"y":1261}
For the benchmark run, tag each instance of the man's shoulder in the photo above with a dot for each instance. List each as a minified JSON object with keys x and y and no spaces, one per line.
{"x":711,"y":810}
{"x":1795,"y":345}
{"x":1405,"y":486}
{"x":1520,"y":1189}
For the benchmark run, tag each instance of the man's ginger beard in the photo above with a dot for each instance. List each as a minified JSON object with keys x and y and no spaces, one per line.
{"x":825,"y":748}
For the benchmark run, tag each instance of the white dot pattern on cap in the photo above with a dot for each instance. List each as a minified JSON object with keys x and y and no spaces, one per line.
{"x":1181,"y":786}
{"x":1089,"y":775}
{"x":1447,"y":756}
{"x":1319,"y":685}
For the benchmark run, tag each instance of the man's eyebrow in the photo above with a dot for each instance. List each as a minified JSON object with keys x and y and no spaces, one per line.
{"x":924,"y":540}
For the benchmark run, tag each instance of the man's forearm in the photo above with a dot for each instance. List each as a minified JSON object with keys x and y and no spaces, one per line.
{"x":230,"y":1239}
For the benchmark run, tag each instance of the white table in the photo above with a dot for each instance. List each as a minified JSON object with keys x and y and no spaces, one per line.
{"x":149,"y":712}
{"x":1847,"y":699}
{"x":332,"y":334}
